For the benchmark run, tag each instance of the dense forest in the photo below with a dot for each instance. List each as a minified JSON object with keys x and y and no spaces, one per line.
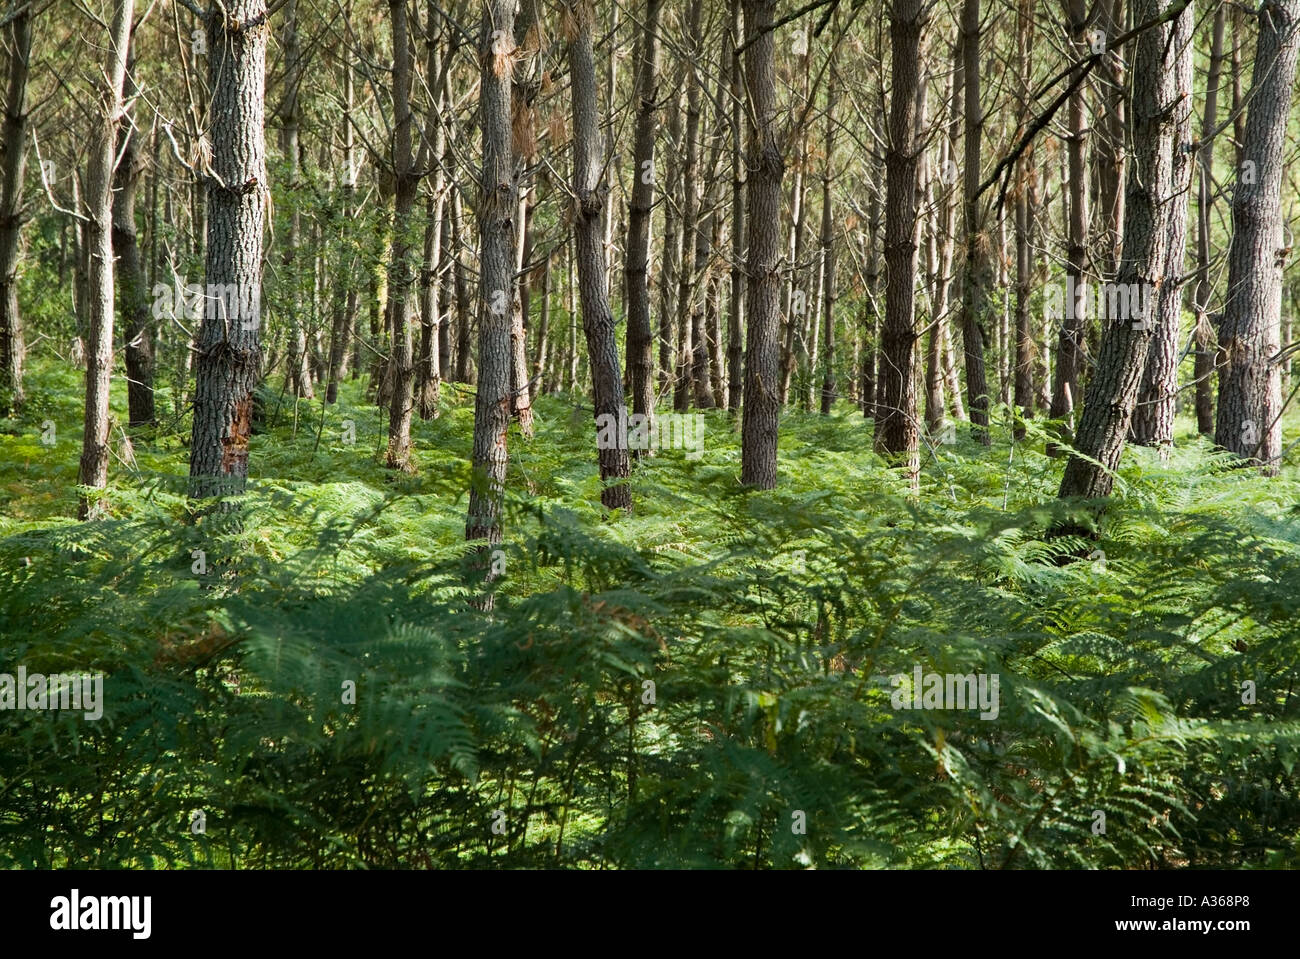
{"x":649,"y":433}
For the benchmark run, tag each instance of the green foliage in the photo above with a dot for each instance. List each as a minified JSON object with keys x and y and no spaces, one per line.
{"x":769,"y":623}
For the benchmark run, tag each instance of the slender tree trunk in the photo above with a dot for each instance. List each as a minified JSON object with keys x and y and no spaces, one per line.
{"x":1207,"y":340}
{"x":1112,"y":391}
{"x":132,"y":286}
{"x":896,"y":424}
{"x":1153,"y":419}
{"x":401,"y":360}
{"x":975,"y":284}
{"x":1111,"y":153}
{"x":13,"y":348}
{"x":672,"y":252}
{"x":1250,"y":400}
{"x":871,"y":310}
{"x":1069,"y":350}
{"x":1025,"y":203}
{"x":796,"y":296}
{"x":762,"y":410}
{"x":99,"y":226}
{"x":466,"y":372}
{"x":640,"y":336}
{"x":299,"y":370}
{"x":691,"y":225}
{"x":736,"y":312}
{"x":429,"y":377}
{"x":521,"y":394}
{"x":498,"y":206}
{"x":229,"y":350}
{"x":590,"y":188}
{"x":345,"y":293}
{"x":828,"y":257}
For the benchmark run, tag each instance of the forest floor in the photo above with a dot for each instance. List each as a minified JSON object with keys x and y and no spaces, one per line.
{"x":666,"y":688}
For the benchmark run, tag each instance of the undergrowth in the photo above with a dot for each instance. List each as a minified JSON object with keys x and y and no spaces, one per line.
{"x":685,"y":686}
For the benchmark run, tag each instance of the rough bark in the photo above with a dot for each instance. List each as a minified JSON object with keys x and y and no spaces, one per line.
{"x":761,"y":417}
{"x":97,"y":210}
{"x":1112,"y":391}
{"x":401,"y":359}
{"x":692,"y":228}
{"x":590,"y":188}
{"x":12,"y":345}
{"x":428,"y":380}
{"x":1070,"y":343}
{"x":896,"y":422}
{"x":1153,"y":419}
{"x":1207,"y":341}
{"x":975,"y":281}
{"x":498,"y":206}
{"x":229,"y":360}
{"x":1250,"y":400}
{"x":132,"y":285}
{"x":640,"y":336}
{"x":299,"y":381}
{"x":736,"y":311}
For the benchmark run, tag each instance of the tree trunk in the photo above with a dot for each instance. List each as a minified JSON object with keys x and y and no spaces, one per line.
{"x":692,"y":228}
{"x":736,"y":312}
{"x":229,"y":350}
{"x":498,"y":206}
{"x":1111,"y":153}
{"x":401,"y":360}
{"x":672,"y":254}
{"x":299,"y":370}
{"x":1153,"y":419}
{"x":590,"y":188}
{"x":896,"y":422}
{"x":345,"y":293}
{"x":1069,"y":350}
{"x":99,"y":225}
{"x":465,"y":369}
{"x":429,"y":377}
{"x":1207,"y":340}
{"x":640,"y":337}
{"x":975,"y":283}
{"x":1112,"y":391}
{"x":13,"y":350}
{"x":762,"y":410}
{"x":132,"y":286}
{"x":1250,"y":400}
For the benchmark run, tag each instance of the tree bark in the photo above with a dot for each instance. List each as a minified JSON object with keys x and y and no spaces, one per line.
{"x":975,"y":283}
{"x":828,"y":257}
{"x":590,"y":189}
{"x":1112,"y":391}
{"x":736,"y":312}
{"x":1069,"y":349}
{"x":640,"y":336}
{"x":1207,"y":339}
{"x":99,"y":225}
{"x":896,"y":422}
{"x":498,"y":206}
{"x":299,"y":362}
{"x":692,"y":228}
{"x":229,"y":349}
{"x":1250,"y":400}
{"x":132,"y":286}
{"x":762,"y":411}
{"x":13,"y":350}
{"x":401,"y":361}
{"x":1153,"y":419}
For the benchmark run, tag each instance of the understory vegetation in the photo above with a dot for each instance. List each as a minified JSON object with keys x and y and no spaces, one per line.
{"x":684,"y":686}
